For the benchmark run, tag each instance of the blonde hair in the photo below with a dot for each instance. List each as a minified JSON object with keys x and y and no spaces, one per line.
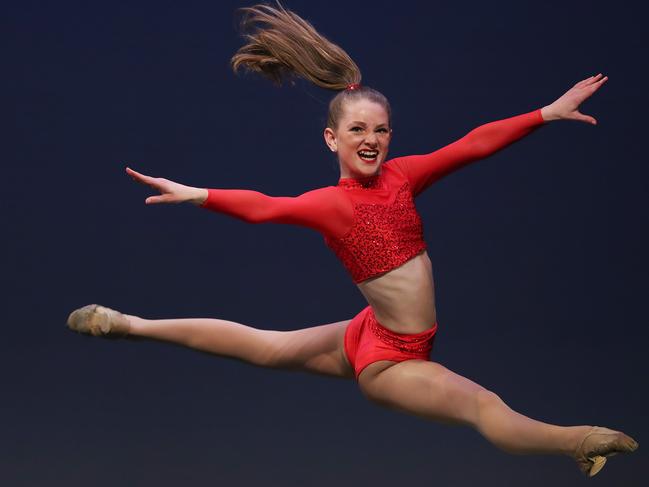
{"x":281,"y":44}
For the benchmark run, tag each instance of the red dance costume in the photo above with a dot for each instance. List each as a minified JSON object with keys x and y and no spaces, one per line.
{"x":372,"y":224}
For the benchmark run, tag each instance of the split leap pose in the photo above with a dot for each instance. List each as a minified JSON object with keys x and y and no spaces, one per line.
{"x":370,"y":221}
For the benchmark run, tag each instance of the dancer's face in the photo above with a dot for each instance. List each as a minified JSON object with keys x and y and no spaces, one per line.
{"x":361,"y":139}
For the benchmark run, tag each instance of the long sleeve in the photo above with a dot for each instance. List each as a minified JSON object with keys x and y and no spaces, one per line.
{"x":321,"y":209}
{"x":481,"y":142}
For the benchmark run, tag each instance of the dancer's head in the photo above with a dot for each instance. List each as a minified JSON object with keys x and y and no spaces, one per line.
{"x":280,"y":44}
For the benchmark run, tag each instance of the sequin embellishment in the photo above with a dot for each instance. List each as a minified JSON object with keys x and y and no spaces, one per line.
{"x":384,"y":236}
{"x":419,"y":343}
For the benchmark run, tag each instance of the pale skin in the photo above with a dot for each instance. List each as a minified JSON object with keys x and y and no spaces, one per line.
{"x":402,"y":300}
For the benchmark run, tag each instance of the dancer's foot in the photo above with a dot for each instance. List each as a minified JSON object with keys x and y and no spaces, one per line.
{"x":598,"y":444}
{"x":98,"y":320}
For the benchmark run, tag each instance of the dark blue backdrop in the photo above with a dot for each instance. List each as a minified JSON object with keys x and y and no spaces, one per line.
{"x":539,"y":252}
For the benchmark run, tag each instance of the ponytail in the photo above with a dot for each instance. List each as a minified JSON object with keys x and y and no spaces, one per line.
{"x":281,"y":44}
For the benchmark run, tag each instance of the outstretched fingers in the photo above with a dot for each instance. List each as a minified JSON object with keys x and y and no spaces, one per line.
{"x":590,"y":80}
{"x":591,"y":86}
{"x":140,"y":178}
{"x":149,"y":181}
{"x":568,"y":104}
{"x":596,"y":82}
{"x":587,"y":87}
{"x":155,"y":183}
{"x":170,"y":191}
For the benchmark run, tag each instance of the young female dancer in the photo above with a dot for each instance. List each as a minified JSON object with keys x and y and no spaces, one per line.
{"x":369,"y":220}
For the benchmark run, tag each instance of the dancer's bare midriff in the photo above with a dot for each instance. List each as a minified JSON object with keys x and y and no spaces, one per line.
{"x":403,"y":299}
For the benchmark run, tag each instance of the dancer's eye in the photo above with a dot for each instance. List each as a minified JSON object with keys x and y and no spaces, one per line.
{"x":356,"y":129}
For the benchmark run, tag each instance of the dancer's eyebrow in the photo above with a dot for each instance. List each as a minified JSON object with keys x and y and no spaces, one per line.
{"x":382,"y":124}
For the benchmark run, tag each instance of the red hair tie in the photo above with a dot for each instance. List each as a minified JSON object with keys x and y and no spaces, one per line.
{"x":353,"y":86}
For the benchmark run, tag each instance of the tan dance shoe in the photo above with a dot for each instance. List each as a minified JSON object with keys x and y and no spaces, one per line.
{"x":598,"y":444}
{"x":98,"y":320}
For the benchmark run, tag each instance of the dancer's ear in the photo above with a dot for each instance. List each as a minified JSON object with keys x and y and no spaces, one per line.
{"x":330,"y":139}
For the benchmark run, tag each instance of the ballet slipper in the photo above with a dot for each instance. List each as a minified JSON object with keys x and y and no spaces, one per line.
{"x":598,"y":444}
{"x":98,"y":320}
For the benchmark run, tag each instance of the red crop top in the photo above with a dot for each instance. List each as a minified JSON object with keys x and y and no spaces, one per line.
{"x":371,"y":223}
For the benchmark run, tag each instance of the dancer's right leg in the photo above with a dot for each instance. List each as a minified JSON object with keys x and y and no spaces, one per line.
{"x":318,"y":349}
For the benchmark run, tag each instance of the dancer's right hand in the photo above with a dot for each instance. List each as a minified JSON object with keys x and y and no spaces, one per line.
{"x":170,"y":191}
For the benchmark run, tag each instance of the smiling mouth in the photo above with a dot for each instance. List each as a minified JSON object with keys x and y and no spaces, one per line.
{"x":368,"y":155}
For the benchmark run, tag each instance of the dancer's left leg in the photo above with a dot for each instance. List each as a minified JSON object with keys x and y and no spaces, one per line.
{"x":431,"y":391}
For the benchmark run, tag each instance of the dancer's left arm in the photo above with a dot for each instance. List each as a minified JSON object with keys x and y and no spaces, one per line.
{"x":485,"y":140}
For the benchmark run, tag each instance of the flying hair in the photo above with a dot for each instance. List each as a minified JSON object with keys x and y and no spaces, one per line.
{"x":280,"y":45}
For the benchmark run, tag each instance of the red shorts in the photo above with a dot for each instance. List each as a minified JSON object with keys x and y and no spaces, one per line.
{"x":367,"y":341}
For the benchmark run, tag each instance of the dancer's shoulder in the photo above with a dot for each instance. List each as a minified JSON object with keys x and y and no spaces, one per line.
{"x":397,"y":168}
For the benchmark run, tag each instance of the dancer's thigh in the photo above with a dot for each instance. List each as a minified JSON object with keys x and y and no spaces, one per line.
{"x":423,"y":388}
{"x":318,"y":350}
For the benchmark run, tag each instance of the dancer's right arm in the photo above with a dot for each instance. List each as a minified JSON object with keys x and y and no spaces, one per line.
{"x":323,"y":209}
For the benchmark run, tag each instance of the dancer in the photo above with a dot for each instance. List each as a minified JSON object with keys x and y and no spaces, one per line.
{"x":370,"y":221}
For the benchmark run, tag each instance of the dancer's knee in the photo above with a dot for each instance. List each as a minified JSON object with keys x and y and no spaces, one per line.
{"x":492,"y":420}
{"x":486,"y":401}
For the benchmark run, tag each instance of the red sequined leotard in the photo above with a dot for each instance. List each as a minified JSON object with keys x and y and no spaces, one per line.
{"x":371,"y":223}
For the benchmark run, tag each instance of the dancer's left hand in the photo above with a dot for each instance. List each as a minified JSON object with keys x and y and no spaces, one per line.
{"x":567,"y":106}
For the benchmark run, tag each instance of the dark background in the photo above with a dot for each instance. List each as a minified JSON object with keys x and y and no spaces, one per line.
{"x":539,"y":253}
